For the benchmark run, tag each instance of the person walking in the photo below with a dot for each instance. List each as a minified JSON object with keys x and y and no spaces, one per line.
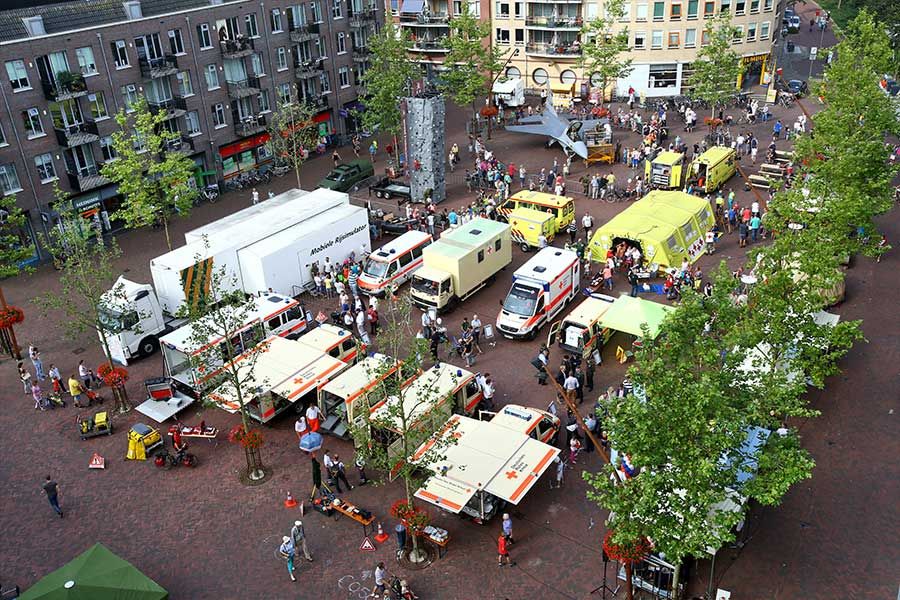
{"x":380,"y":575}
{"x":570,"y":385}
{"x":542,"y":359}
{"x":76,"y":390}
{"x":372,"y":315}
{"x":476,"y":333}
{"x":503,"y":551}
{"x":556,"y":482}
{"x":634,"y":282}
{"x":488,"y":390}
{"x":288,"y":552}
{"x":38,"y":395}
{"x":298,"y":537}
{"x":316,"y":476}
{"x":361,"y":469}
{"x":336,"y":158}
{"x":340,"y":473}
{"x":35,"y":357}
{"x":254,"y":197}
{"x":508,"y":529}
{"x":51,"y":489}
{"x":84,"y":374}
{"x":24,"y":377}
{"x":755,"y":223}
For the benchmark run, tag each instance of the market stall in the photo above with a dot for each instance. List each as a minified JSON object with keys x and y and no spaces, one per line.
{"x":628,"y":315}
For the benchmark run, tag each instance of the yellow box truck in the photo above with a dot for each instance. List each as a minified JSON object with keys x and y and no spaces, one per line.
{"x":459,"y":264}
{"x":666,"y":171}
{"x":713,"y":168}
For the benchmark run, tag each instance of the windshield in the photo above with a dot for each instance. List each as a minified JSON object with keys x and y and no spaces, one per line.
{"x":110,"y":319}
{"x":334,"y":176}
{"x":521,"y":300}
{"x":375,"y":268}
{"x":426,"y":286}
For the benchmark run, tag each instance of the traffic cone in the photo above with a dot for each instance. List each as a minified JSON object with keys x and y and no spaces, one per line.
{"x":290,"y":502}
{"x":381,"y":537}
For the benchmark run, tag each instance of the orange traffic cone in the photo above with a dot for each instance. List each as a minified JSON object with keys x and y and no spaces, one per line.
{"x":290,"y":502}
{"x":381,"y":537}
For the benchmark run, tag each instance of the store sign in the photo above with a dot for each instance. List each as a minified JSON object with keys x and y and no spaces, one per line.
{"x":757,"y":58}
{"x":243,"y":145}
{"x":86,"y":201}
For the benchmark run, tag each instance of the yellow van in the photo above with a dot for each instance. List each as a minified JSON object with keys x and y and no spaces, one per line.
{"x":713,"y":168}
{"x":561,"y":207}
{"x":527,"y":225}
{"x":580,"y":331}
{"x":666,"y":171}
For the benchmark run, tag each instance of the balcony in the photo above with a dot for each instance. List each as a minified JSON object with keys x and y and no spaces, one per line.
{"x":570,"y":23}
{"x":243,"y":87}
{"x":173,"y":107}
{"x":77,"y":135}
{"x":432,"y":20}
{"x":304,"y":33}
{"x":360,"y":54}
{"x":182,"y":143}
{"x":67,"y":86}
{"x":84,"y":178}
{"x":562,"y":51}
{"x":249,"y":125}
{"x":438,"y":45}
{"x":316,"y":103}
{"x":308,"y":69}
{"x":362,"y":19}
{"x":154,"y":68}
{"x":238,"y":48}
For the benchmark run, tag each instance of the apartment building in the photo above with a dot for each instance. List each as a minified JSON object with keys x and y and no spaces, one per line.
{"x":665,"y":36}
{"x":216,"y":68}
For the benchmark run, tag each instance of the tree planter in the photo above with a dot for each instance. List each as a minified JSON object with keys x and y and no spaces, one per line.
{"x":255,"y":473}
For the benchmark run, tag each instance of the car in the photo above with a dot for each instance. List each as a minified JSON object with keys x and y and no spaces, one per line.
{"x":343,"y":177}
{"x":793,"y":24}
{"x":788,"y":14}
{"x":797,"y":87}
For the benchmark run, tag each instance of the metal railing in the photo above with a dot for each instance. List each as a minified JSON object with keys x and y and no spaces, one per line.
{"x":554,"y":49}
{"x":152,"y":68}
{"x":76,"y":135}
{"x":249,"y":125}
{"x":171,"y":105}
{"x":242,"y":88}
{"x":304,"y":33}
{"x":56,"y":92}
{"x":555,"y":22}
{"x":240,"y":47}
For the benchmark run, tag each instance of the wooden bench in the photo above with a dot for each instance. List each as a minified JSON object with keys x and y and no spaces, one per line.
{"x":784,"y":156}
{"x":349,"y":511}
{"x":771,"y":170}
{"x":758,"y":181}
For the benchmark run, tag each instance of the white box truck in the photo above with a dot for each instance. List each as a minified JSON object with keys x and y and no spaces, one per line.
{"x":510,"y":92}
{"x":462,"y":262}
{"x":540,"y":289}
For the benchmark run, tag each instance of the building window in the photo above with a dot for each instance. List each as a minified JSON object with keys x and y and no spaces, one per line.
{"x":693,"y":9}
{"x":739,"y":7}
{"x":218,"y":115}
{"x":754,"y":7}
{"x":502,"y":35}
{"x":568,"y":76}
{"x":690,"y":38}
{"x":767,"y":5}
{"x":751,"y":32}
{"x":32,"y":120}
{"x":44,"y":165}
{"x":85,"y":57}
{"x":656,"y":40}
{"x":764,"y":30}
{"x":502,"y":10}
{"x":518,"y":10}
{"x":2,"y":137}
{"x":256,"y":64}
{"x":281,"y":57}
{"x":344,"y":77}
{"x":325,"y":83}
{"x":192,"y":121}
{"x":663,"y":76}
{"x":275,"y":21}
{"x":539,"y":76}
{"x":176,"y":42}
{"x":626,"y":13}
{"x":129,"y":96}
{"x":98,"y":106}
{"x":659,"y":11}
{"x":709,"y":9}
{"x":120,"y":53}
{"x":738,"y":34}
{"x":513,"y":73}
{"x":185,"y":83}
{"x":336,"y":9}
{"x":138,"y":141}
{"x":204,"y":36}
{"x":519,"y":37}
{"x":106,"y":148}
{"x":9,"y":180}
{"x":283,"y":92}
{"x":18,"y":76}
{"x":212,"y":77}
{"x":341,"y":42}
{"x":263,"y":101}
{"x":251,"y":26}
{"x":704,"y":38}
{"x":640,"y":40}
{"x":316,"y":9}
{"x":640,"y":13}
{"x":675,"y":11}
{"x":674,"y":39}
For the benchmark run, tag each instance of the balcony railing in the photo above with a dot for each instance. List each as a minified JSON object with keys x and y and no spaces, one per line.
{"x":77,"y":135}
{"x":84,"y":178}
{"x":439,"y":45}
{"x":316,"y":103}
{"x":361,"y":54}
{"x":175,"y":107}
{"x":566,"y":50}
{"x":437,"y":19}
{"x":180,"y":144}
{"x":238,"y":48}
{"x":243,"y":87}
{"x":68,"y":85}
{"x":362,"y":19}
{"x":554,"y":22}
{"x":308,"y":69}
{"x":247,"y":126}
{"x":154,"y":68}
{"x":304,"y":33}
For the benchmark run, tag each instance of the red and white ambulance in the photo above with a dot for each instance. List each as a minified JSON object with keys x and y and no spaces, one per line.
{"x":394,"y":263}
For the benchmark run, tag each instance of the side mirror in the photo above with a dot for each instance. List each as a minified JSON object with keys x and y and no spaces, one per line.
{"x":501,"y":302}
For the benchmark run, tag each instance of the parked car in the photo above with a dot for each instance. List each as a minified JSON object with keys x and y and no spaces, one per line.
{"x":793,"y":24}
{"x":343,"y":177}
{"x":797,"y":87}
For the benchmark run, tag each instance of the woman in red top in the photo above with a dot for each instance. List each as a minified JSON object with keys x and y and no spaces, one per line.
{"x":502,"y":551}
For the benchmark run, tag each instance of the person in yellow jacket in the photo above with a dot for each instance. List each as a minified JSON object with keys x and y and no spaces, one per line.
{"x":76,"y":390}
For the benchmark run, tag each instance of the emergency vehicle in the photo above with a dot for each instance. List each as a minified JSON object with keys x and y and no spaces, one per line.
{"x":580,"y":331}
{"x":561,"y":207}
{"x":334,"y":341}
{"x":540,"y":289}
{"x":394,"y":263}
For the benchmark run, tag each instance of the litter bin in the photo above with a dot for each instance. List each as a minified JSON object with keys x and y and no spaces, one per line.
{"x":790,"y":46}
{"x":400,"y":530}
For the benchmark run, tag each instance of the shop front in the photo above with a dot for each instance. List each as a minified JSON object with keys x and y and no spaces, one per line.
{"x":754,"y":70}
{"x":97,"y":207}
{"x":352,"y":115}
{"x":244,"y":155}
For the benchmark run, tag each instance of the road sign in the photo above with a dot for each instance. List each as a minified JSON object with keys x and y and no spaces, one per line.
{"x":812,"y":53}
{"x":97,"y":462}
{"x":367,"y":545}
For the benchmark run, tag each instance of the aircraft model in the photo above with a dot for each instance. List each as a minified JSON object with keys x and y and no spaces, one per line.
{"x":559,"y":129}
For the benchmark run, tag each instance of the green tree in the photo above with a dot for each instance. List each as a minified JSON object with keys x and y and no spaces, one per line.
{"x":472,"y":58}
{"x":154,"y":174}
{"x":292,"y":133}
{"x":388,"y":439}
{"x":604,"y":48}
{"x":88,"y":271}
{"x":717,"y":67}
{"x":388,"y":78}
{"x":13,"y":251}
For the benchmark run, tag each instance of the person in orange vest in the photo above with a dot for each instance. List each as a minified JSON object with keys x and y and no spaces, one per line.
{"x":503,"y":551}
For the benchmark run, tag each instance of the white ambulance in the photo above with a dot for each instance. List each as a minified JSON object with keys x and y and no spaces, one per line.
{"x":540,"y":289}
{"x":334,"y":341}
{"x":394,"y":263}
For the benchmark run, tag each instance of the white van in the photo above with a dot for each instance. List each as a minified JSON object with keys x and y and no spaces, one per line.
{"x":393,"y":263}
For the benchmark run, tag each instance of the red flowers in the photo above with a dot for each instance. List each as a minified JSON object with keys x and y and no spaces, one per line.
{"x":10,"y":316}
{"x":626,"y":553}
{"x":113,"y":377}
{"x":489,"y":111}
{"x":252,"y":439}
{"x":413,"y":517}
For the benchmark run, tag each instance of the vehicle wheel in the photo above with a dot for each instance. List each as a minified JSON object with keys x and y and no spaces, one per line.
{"x":531,"y":334}
{"x":525,"y":247}
{"x":387,"y":195}
{"x":190,"y":460}
{"x":378,"y":194}
{"x":148,"y":346}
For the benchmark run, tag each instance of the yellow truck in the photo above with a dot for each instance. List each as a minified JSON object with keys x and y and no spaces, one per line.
{"x":666,"y":171}
{"x":528,"y":224}
{"x":460,"y":263}
{"x":561,"y":207}
{"x":580,"y":331}
{"x":713,"y":168}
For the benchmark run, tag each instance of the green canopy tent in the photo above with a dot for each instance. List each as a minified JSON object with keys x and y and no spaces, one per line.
{"x":97,"y":574}
{"x":627,"y":314}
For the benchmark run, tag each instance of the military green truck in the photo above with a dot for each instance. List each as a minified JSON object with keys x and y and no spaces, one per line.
{"x":343,"y":177}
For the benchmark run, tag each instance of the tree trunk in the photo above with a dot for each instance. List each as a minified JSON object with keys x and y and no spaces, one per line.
{"x":676,"y":576}
{"x":629,"y":589}
{"x":121,"y":399}
{"x":415,"y":555}
{"x":165,"y":222}
{"x":15,"y":351}
{"x":255,"y":470}
{"x":297,"y":170}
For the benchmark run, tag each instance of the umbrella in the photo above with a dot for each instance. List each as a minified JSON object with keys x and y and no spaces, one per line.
{"x":311,"y":442}
{"x":97,"y":574}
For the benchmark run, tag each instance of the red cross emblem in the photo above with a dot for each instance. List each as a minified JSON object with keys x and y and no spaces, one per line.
{"x":511,"y":474}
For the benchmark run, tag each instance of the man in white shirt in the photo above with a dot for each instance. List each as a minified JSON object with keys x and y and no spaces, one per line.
{"x":571,"y":386}
{"x":300,"y":427}
{"x":542,"y":241}
{"x":587,"y":222}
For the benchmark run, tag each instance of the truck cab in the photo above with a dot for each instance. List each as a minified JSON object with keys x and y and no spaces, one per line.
{"x":343,"y":177}
{"x":561,"y":207}
{"x":394,"y":263}
{"x":713,"y":168}
{"x":334,"y":341}
{"x":528,"y":224}
{"x":432,"y":288}
{"x":132,"y":319}
{"x":666,"y":171}
{"x":580,"y":331}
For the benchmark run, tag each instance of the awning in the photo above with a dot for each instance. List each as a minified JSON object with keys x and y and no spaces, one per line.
{"x":243,"y":145}
{"x":522,"y":471}
{"x":628,"y":314}
{"x":412,"y":6}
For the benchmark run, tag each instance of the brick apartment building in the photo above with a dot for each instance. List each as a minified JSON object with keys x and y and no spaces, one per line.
{"x":217,"y":68}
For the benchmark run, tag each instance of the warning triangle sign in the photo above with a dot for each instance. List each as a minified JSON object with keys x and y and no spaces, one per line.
{"x":97,"y":462}
{"x":367,"y":545}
